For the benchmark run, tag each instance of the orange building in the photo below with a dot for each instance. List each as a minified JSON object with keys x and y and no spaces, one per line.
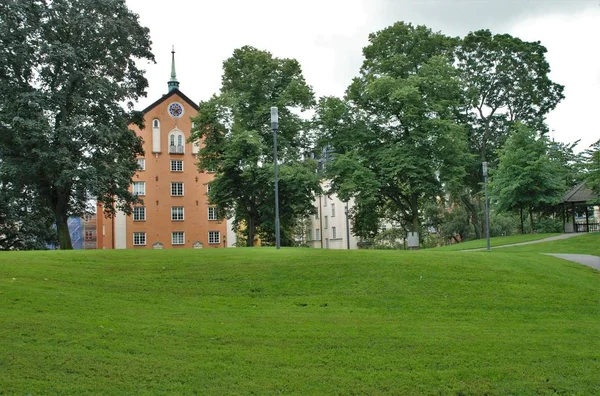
{"x":175,"y":211}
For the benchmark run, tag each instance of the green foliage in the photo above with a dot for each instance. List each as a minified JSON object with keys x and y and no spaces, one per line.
{"x":395,"y":136}
{"x":238,"y":145}
{"x":505,"y":80}
{"x":392,"y":238}
{"x":67,"y":67}
{"x":25,"y":223}
{"x":592,"y":165}
{"x":527,"y":180}
{"x":298,"y":321}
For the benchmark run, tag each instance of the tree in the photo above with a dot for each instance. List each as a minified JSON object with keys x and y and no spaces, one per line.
{"x":395,"y":135}
{"x":238,"y":144}
{"x":25,"y":224}
{"x":526,"y":179}
{"x":505,"y":80}
{"x":592,"y":165}
{"x":66,"y":68}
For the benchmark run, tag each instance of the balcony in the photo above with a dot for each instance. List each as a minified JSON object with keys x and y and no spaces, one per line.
{"x":176,"y":149}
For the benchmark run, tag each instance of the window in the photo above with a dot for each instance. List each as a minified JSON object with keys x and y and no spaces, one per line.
{"x":208,"y":187}
{"x":309,"y":235}
{"x":141,"y":164}
{"x":333,"y":233}
{"x":176,"y":165}
{"x":139,"y":238}
{"x":177,"y":189}
{"x":139,"y":188}
{"x":177,"y":213}
{"x":214,"y":237}
{"x":332,"y":210}
{"x":317,"y":214}
{"x":139,"y":213}
{"x":318,"y":234}
{"x":90,"y":235}
{"x":212,"y":213}
{"x":325,"y":200}
{"x":326,"y":222}
{"x":155,"y":123}
{"x":176,"y":142}
{"x":178,"y":238}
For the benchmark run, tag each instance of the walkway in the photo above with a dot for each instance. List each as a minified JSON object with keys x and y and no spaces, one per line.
{"x":583,"y":259}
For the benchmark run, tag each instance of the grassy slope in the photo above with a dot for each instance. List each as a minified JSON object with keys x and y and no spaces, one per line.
{"x":580,"y":244}
{"x":297,"y":321}
{"x":496,"y":241}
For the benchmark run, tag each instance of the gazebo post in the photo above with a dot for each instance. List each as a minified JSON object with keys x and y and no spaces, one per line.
{"x":573,"y":209}
{"x":562,"y":212}
{"x":587,"y":219}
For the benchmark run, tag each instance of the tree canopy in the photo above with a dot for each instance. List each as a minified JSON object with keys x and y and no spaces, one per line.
{"x":526,"y":180}
{"x":395,"y":135}
{"x":238,"y":144}
{"x":66,"y":68}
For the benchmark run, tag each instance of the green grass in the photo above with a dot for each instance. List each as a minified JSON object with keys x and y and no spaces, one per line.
{"x":297,"y":321}
{"x":580,"y":244}
{"x":496,"y":241}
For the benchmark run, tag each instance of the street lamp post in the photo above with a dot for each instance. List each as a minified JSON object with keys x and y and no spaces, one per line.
{"x":347,"y":226}
{"x":487,"y":207}
{"x":275,"y":127}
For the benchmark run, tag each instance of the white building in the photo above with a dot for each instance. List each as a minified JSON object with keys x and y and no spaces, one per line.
{"x":331,"y":228}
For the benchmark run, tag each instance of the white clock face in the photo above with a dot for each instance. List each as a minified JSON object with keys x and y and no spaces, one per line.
{"x":175,"y":110}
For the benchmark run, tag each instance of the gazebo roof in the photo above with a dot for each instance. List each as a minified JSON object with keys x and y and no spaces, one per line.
{"x":580,"y":193}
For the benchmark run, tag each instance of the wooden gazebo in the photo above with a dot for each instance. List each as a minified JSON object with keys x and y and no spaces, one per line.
{"x":578,"y":202}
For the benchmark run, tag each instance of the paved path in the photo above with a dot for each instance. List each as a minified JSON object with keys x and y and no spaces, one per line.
{"x":549,"y":239}
{"x":584,"y":259}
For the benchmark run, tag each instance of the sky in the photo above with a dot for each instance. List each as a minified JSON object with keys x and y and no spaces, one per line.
{"x":327,"y":37}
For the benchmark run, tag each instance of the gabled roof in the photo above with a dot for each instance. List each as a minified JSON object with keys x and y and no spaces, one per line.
{"x":167,"y":96}
{"x":580,"y":193}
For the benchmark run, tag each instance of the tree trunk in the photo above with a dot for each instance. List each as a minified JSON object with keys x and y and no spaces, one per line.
{"x":414,"y":209}
{"x":62,"y":227}
{"x":530,"y":221}
{"x":521,"y":221}
{"x":251,"y":231}
{"x":474,"y":214}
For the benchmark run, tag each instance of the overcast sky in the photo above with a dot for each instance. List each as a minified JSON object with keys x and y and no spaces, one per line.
{"x":327,"y":37}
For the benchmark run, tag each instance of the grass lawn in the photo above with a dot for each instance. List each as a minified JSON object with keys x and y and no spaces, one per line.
{"x":297,"y":321}
{"x":496,"y":241}
{"x":580,"y":244}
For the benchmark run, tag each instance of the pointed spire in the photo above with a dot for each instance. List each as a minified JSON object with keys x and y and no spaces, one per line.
{"x":173,"y":83}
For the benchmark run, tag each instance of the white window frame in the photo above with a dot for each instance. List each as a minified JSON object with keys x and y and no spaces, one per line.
{"x":333,"y":232}
{"x":212,"y":213}
{"x":333,"y":210}
{"x":139,"y":239}
{"x":174,"y":168}
{"x":211,"y":237}
{"x":143,"y":188}
{"x":178,"y":234}
{"x":177,"y":214}
{"x":141,"y":164}
{"x":156,"y":123}
{"x":317,"y":234}
{"x":326,"y":225}
{"x":174,"y":184}
{"x":142,"y":211}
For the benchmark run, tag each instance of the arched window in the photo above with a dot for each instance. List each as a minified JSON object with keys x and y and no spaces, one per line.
{"x":176,"y":142}
{"x":155,"y":123}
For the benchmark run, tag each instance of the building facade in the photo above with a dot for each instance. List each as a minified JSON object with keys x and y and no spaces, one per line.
{"x":330,"y":227}
{"x":175,"y":212}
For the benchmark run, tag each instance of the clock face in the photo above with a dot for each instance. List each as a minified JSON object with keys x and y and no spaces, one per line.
{"x":175,"y":110}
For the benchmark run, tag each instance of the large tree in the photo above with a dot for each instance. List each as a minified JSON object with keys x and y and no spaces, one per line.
{"x":527,"y":180}
{"x":66,"y":69}
{"x":505,"y":80}
{"x":592,"y":167}
{"x":395,"y":135}
{"x":237,"y":139}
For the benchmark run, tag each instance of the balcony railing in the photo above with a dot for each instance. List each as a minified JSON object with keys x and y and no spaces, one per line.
{"x":176,"y":149}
